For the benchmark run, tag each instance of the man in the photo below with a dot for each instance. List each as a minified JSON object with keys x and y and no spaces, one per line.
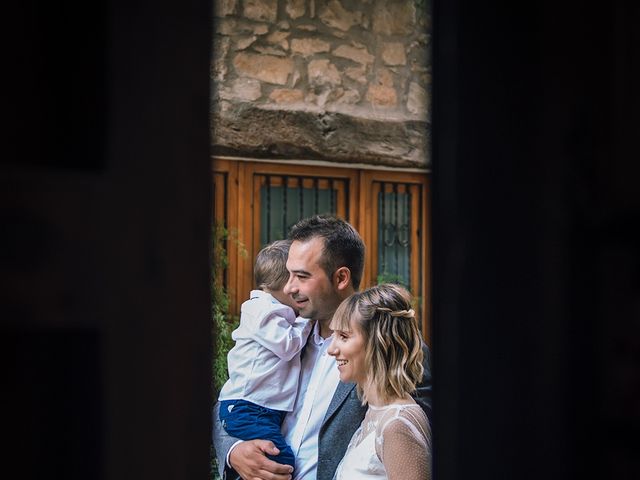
{"x":325,"y":264}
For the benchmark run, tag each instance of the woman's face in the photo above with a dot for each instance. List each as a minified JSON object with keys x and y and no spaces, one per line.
{"x":348,"y":348}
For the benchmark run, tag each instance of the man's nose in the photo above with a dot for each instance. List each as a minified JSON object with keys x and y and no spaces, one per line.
{"x":288,"y":288}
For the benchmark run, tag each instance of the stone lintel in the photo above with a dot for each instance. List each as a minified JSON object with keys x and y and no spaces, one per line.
{"x":245,"y":130}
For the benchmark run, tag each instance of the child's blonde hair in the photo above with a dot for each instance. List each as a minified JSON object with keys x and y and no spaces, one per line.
{"x":270,"y":270}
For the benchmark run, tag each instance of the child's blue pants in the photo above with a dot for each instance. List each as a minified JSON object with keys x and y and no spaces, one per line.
{"x":248,"y":421}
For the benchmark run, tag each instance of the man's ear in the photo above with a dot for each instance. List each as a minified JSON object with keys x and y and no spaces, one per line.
{"x":342,"y":278}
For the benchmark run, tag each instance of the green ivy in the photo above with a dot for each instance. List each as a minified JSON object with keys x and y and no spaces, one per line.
{"x":387,"y":277}
{"x":223,"y":322}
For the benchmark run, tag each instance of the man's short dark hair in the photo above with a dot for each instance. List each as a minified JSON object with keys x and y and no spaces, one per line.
{"x":343,"y":246}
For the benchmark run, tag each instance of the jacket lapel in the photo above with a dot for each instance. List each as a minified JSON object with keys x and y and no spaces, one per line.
{"x":342,"y":392}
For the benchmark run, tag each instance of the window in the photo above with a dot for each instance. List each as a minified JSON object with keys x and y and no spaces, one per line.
{"x":259,"y":201}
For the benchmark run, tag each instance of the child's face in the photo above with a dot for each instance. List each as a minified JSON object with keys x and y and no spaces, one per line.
{"x":284,"y":299}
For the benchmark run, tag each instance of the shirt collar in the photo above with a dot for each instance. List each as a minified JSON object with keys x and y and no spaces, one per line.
{"x":316,"y":337}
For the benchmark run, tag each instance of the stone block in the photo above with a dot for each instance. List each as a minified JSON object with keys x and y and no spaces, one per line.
{"x":295,"y":8}
{"x":225,"y":26}
{"x":232,"y":26}
{"x":246,"y":89}
{"x":322,"y":72}
{"x":286,"y":95}
{"x":335,"y":133}
{"x":309,"y":46}
{"x":279,"y":38}
{"x":335,"y":15}
{"x":260,"y":29}
{"x":358,"y":55}
{"x":223,"y":8}
{"x":393,"y":53}
{"x":357,"y":73}
{"x":382,"y":96}
{"x":260,"y":10}
{"x":245,"y":42}
{"x":266,"y":68}
{"x":394,"y":18}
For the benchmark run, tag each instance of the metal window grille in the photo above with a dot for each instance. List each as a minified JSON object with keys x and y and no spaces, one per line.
{"x":394,"y":233}
{"x":285,"y":199}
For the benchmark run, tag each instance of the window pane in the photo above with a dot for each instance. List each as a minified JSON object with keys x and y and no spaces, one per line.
{"x":394,"y":239}
{"x":282,"y":207}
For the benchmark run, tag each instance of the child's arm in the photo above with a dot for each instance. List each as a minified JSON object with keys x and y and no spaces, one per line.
{"x":284,"y":339}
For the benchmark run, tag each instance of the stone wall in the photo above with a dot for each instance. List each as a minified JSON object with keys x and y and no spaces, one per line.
{"x":337,"y":80}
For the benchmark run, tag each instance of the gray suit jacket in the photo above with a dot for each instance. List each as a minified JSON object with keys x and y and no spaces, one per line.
{"x":343,"y":417}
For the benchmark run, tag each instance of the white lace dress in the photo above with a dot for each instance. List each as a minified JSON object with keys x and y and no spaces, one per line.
{"x":393,"y":442}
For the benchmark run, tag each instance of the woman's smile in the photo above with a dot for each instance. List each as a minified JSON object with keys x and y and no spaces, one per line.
{"x":348,"y":349}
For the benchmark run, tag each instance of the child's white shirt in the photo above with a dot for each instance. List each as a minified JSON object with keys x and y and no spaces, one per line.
{"x":264,"y":364}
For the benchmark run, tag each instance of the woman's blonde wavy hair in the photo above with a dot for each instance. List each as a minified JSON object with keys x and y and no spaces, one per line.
{"x":393,"y":344}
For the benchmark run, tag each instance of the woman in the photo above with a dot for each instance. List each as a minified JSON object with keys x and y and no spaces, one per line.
{"x":377,"y":345}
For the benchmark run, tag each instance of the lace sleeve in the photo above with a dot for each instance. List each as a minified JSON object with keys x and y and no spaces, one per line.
{"x":404,"y":447}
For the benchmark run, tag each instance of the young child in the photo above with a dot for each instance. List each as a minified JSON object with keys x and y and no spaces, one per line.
{"x":264,"y":364}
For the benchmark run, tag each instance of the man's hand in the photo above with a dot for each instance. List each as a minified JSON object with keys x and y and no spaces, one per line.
{"x":250,"y":461}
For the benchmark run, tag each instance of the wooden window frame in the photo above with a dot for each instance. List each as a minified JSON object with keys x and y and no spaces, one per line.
{"x":370,"y":181}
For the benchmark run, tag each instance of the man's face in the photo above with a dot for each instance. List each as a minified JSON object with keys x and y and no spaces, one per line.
{"x":313,"y":292}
